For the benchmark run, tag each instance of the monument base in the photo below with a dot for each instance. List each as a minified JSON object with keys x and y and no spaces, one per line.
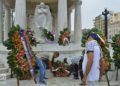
{"x":4,"y":69}
{"x":70,"y":51}
{"x":3,"y":55}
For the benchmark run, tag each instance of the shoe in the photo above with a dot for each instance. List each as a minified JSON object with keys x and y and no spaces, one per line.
{"x":42,"y":82}
{"x":83,"y":84}
{"x":45,"y":78}
{"x":76,"y":78}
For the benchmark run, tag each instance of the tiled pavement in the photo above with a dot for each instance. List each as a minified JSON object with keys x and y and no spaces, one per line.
{"x":59,"y":81}
{"x":52,"y":82}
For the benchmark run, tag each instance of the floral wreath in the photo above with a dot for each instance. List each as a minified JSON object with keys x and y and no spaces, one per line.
{"x":17,"y":59}
{"x":116,"y":48}
{"x":48,"y":35}
{"x":64,"y":37}
{"x":60,"y":68}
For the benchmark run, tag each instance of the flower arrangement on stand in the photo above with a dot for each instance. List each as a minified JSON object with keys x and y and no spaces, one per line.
{"x":116,"y":48}
{"x":49,"y":36}
{"x":61,"y":69}
{"x":106,"y":53}
{"x":64,"y":37}
{"x":17,"y":59}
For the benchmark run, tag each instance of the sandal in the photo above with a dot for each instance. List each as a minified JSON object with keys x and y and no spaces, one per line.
{"x":83,"y":84}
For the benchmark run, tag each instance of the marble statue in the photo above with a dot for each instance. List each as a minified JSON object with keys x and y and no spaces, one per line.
{"x":42,"y":20}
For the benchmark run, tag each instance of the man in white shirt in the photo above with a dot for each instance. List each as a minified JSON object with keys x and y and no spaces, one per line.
{"x":91,"y":60}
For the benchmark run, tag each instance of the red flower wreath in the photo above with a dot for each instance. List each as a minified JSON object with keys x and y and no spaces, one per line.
{"x":64,"y":37}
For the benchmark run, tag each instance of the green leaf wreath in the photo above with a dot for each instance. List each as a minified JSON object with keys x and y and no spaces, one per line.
{"x":16,"y":56}
{"x":116,"y":48}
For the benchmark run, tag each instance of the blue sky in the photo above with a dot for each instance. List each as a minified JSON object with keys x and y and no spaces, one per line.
{"x":92,"y":8}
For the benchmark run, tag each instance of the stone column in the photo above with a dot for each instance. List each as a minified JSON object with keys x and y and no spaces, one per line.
{"x":20,"y":13}
{"x":7,"y":22}
{"x":69,"y":20}
{"x":1,"y":19}
{"x":77,"y":24}
{"x":54,"y":22}
{"x":62,"y":15}
{"x":54,"y":25}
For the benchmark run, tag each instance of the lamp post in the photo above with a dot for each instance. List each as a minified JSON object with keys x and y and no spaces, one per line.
{"x":105,"y":13}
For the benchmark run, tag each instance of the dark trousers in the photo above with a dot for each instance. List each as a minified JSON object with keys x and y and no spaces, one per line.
{"x":75,"y":71}
{"x":81,"y":74}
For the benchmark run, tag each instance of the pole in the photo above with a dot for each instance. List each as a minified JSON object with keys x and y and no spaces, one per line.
{"x":18,"y":84}
{"x":107,"y":79}
{"x":106,"y":26}
{"x":117,"y":74}
{"x":105,"y":13}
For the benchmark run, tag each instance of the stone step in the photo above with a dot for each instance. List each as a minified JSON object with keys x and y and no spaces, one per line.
{"x":4,"y":70}
{"x":4,"y":76}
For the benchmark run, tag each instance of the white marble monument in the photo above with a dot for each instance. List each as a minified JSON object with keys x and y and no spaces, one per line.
{"x":42,"y":20}
{"x":54,"y":15}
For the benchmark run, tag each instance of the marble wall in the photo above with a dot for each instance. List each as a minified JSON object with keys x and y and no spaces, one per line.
{"x":3,"y":55}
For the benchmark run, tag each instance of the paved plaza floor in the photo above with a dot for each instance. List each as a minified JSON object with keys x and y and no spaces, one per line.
{"x":61,"y":81}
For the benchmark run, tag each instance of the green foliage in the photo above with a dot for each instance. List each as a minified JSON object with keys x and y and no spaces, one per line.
{"x":8,"y":43}
{"x":48,"y":35}
{"x":11,"y":59}
{"x":116,"y":48}
{"x":14,"y":45}
{"x":85,"y":34}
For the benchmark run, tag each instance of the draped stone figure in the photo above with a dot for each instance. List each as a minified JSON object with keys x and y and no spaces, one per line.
{"x":42,"y":20}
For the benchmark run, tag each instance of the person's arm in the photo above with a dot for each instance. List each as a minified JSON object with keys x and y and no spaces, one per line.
{"x":50,"y":61}
{"x":50,"y":65}
{"x":90,"y":56}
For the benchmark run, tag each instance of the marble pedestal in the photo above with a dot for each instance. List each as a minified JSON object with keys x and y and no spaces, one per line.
{"x":4,"y":69}
{"x":69,"y":51}
{"x":3,"y":55}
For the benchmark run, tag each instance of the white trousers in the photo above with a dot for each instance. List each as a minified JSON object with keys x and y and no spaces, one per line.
{"x":93,"y":83}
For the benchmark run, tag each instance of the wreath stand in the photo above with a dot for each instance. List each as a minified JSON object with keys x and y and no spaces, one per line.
{"x":18,"y":81}
{"x":108,"y":82}
{"x":117,"y":69}
{"x":28,"y":53}
{"x":117,"y":73}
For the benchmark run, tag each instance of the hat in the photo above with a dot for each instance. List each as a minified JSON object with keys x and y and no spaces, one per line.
{"x":97,"y":37}
{"x":94,"y":36}
{"x":101,"y":39}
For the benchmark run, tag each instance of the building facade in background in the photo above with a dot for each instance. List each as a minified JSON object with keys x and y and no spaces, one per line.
{"x":99,"y":23}
{"x":113,"y":24}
